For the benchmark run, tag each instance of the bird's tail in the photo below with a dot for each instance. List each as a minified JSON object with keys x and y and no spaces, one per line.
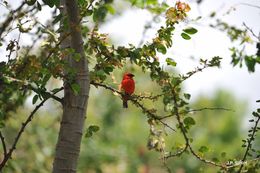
{"x":125,"y":98}
{"x":125,"y":105}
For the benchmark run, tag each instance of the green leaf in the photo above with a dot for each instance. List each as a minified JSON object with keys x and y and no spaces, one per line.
{"x":110,"y":9}
{"x":45,"y":79}
{"x":203,"y":149}
{"x":171,"y":62}
{"x":176,"y":81}
{"x":55,"y":90}
{"x":134,"y":55}
{"x":152,"y":2}
{"x":215,"y":159}
{"x":250,"y":63}
{"x":255,"y":114}
{"x":76,"y":57}
{"x":191,"y":140}
{"x":57,"y":19}
{"x":189,"y":121}
{"x":88,"y":134}
{"x":2,"y":124}
{"x":187,"y":96}
{"x":108,"y":69}
{"x":89,"y":12}
{"x":82,"y":2}
{"x":190,"y":30}
{"x":1,"y":116}
{"x":215,"y":61}
{"x":48,"y":2}
{"x":213,"y":14}
{"x":30,"y":2}
{"x":223,"y":154}
{"x":35,"y":98}
{"x":94,"y":128}
{"x":100,"y":14}
{"x":161,"y":48}
{"x":39,"y":6}
{"x":91,"y":129}
{"x":185,"y":36}
{"x":75,"y":88}
{"x":51,"y":3}
{"x":244,"y":145}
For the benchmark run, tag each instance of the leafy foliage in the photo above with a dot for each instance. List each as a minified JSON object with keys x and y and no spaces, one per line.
{"x":242,"y":37}
{"x":91,"y":129}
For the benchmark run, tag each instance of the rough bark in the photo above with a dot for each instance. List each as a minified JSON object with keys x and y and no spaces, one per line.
{"x":74,"y":107}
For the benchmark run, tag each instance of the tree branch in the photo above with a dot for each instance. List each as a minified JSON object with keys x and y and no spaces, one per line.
{"x":3,"y":143}
{"x":251,"y":31}
{"x":135,"y":102}
{"x":151,"y":97}
{"x":249,"y":145}
{"x":183,"y":131}
{"x":214,"y":62}
{"x":8,"y":155}
{"x":9,"y":19}
{"x":178,"y":153}
{"x":50,"y":95}
{"x":198,"y":110}
{"x":250,"y":5}
{"x":151,"y":114}
{"x":26,"y":85}
{"x":207,"y":108}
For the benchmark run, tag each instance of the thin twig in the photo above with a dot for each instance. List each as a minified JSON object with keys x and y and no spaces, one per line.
{"x":147,"y":97}
{"x":205,"y":160}
{"x":150,"y":114}
{"x":252,"y":32}
{"x":178,"y":153}
{"x":48,"y":94}
{"x":198,"y":110}
{"x":28,"y":120}
{"x":9,"y":19}
{"x":210,"y":108}
{"x":250,"y":5}
{"x":184,"y":133}
{"x":3,"y":143}
{"x":249,"y":143}
{"x":106,"y":87}
{"x":195,"y":71}
{"x":90,"y":4}
{"x":9,"y":154}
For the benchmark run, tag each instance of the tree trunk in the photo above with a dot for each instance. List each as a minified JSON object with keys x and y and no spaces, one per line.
{"x":75,"y":106}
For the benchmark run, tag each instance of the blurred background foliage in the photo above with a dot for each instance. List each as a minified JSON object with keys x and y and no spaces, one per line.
{"x":120,"y":146}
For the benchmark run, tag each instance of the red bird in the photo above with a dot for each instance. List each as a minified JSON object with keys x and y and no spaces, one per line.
{"x":128,"y":85}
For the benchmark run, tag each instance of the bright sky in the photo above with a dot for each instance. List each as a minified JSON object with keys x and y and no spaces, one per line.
{"x":128,"y":28}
